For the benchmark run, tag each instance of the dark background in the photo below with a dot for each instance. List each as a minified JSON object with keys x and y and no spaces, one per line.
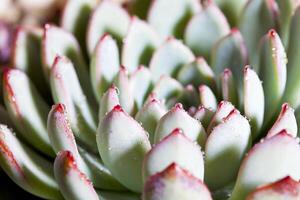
{"x":10,"y":191}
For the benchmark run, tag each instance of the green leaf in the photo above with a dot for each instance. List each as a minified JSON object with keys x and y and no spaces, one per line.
{"x":171,"y":20}
{"x":230,"y":52}
{"x":141,"y":83}
{"x":204,"y":115}
{"x":285,"y":120}
{"x":26,"y":168}
{"x":65,"y":45}
{"x":169,"y":58}
{"x":174,"y":183}
{"x":105,"y":64}
{"x":174,"y":149}
{"x":108,"y":101}
{"x":232,"y":10}
{"x":108,"y":195}
{"x":279,"y":155}
{"x":110,"y":18}
{"x":27,"y":56}
{"x":223,"y":110}
{"x":149,"y":116}
{"x":292,"y":95}
{"x":139,"y":7}
{"x":67,"y":90}
{"x":205,"y":29}
{"x":273,"y":72}
{"x":126,"y":98}
{"x":27,"y":109}
{"x":70,"y":178}
{"x":167,"y":89}
{"x":287,"y":9}
{"x":207,"y":97}
{"x":177,"y":117}
{"x":75,"y":18}
{"x":256,"y":19}
{"x":277,"y":190}
{"x":139,"y":44}
{"x":122,"y":144}
{"x":254,"y":100}
{"x":196,"y":73}
{"x":225,"y":149}
{"x":228,"y":87}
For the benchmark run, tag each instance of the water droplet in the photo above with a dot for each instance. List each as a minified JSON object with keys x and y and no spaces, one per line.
{"x":261,"y":141}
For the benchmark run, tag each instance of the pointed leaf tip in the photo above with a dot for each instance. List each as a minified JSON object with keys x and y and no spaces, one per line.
{"x":177,"y":180}
{"x":285,"y":188}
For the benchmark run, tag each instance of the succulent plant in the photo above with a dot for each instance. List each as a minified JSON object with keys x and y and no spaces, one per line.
{"x":155,"y":100}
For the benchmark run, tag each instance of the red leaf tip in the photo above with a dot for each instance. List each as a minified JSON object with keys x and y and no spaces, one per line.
{"x":231,"y":114}
{"x":285,"y":107}
{"x":178,"y":106}
{"x":227,"y":72}
{"x":118,"y":108}
{"x":59,"y":107}
{"x":235,"y":30}
{"x":272,"y":33}
{"x":177,"y":131}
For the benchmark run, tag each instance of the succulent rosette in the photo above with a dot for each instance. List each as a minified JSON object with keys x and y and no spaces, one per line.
{"x":156,"y":100}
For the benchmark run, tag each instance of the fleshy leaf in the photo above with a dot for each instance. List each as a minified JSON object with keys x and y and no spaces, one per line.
{"x":286,"y":188}
{"x":205,"y":29}
{"x":174,"y":149}
{"x":223,"y":109}
{"x":108,"y":101}
{"x":168,"y":89}
{"x":207,"y":97}
{"x":65,"y":45}
{"x":177,"y":117}
{"x":256,"y":19}
{"x":254,"y":100}
{"x":228,"y":87}
{"x":189,"y":97}
{"x":104,"y":64}
{"x":122,"y":144}
{"x":70,"y":178}
{"x":273,"y":72}
{"x":27,"y":109}
{"x":126,"y":98}
{"x":25,"y":167}
{"x":108,"y":195}
{"x":139,"y":44}
{"x":292,"y":94}
{"x":99,"y":173}
{"x":62,"y":139}
{"x":204,"y":115}
{"x":271,"y":159}
{"x":149,"y":116}
{"x":174,"y":183}
{"x":169,"y":58}
{"x":230,"y":52}
{"x":66,"y":89}
{"x":287,"y":9}
{"x":175,"y":17}
{"x":141,"y":82}
{"x":286,"y":120}
{"x":196,"y":73}
{"x":232,"y":9}
{"x":110,"y":18}
{"x":225,"y":149}
{"x":26,"y":55}
{"x":75,"y":17}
